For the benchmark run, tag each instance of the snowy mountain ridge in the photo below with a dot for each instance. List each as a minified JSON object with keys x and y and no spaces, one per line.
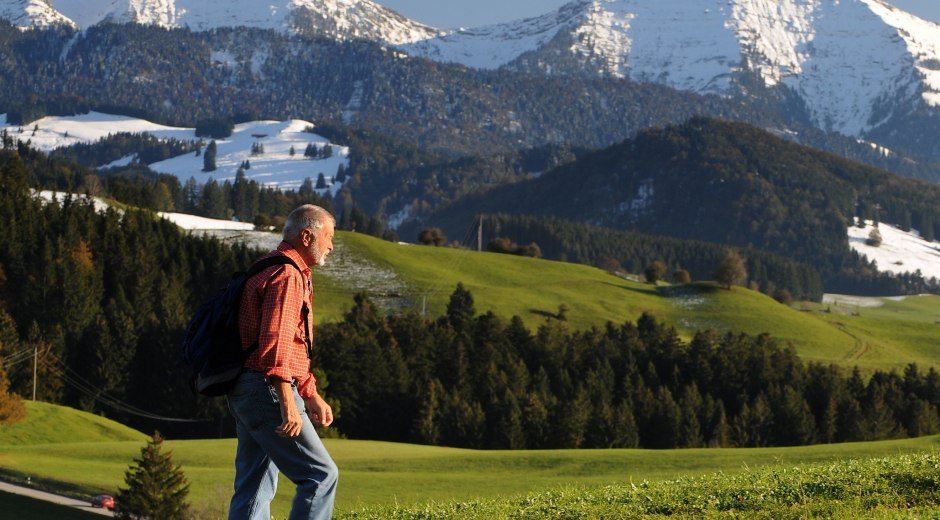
{"x":339,"y":19}
{"x":854,"y":65}
{"x":852,"y":62}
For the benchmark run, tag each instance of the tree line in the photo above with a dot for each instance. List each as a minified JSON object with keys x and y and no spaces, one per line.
{"x":484,"y":381}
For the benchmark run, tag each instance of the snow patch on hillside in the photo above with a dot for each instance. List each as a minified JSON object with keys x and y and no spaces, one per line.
{"x":899,"y":252}
{"x":53,"y":132}
{"x":275,"y":167}
{"x":191,"y":222}
{"x":59,"y":197}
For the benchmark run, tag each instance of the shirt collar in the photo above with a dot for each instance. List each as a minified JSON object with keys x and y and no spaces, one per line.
{"x":292,"y":253}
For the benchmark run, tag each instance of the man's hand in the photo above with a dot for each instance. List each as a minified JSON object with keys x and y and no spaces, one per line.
{"x":318,"y":410}
{"x":292,"y":420}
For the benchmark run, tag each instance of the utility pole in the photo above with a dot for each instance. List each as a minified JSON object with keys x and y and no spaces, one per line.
{"x":35,"y":362}
{"x":480,"y":234}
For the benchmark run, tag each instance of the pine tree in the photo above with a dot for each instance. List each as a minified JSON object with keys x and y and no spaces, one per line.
{"x":155,"y":488}
{"x":321,"y":182}
{"x":292,"y":152}
{"x":208,"y":158}
{"x":460,"y":309}
{"x":926,"y":227}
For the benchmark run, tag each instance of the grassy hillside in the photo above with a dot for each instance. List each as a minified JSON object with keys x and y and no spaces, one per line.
{"x":894,"y":332}
{"x":385,"y":474}
{"x":534,"y":289}
{"x":49,"y":423}
{"x":376,"y":473}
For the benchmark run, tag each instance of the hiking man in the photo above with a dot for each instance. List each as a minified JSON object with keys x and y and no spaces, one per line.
{"x":276,"y":385}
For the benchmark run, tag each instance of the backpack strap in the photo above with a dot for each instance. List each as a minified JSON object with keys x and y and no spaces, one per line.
{"x":267,"y":262}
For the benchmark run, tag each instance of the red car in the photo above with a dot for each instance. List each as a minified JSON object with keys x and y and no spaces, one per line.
{"x":106,"y":501}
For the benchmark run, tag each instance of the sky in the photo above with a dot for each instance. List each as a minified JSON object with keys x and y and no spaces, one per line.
{"x":446,"y":14}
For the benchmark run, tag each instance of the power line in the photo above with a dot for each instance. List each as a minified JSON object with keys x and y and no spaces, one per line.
{"x":17,"y":358}
{"x":79,"y":383}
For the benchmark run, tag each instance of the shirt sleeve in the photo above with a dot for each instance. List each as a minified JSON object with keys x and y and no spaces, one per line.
{"x":307,"y":387}
{"x":280,"y":314}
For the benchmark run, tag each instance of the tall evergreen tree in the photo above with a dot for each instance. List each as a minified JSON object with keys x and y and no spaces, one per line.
{"x":460,"y":309}
{"x":155,"y":487}
{"x":208,"y":157}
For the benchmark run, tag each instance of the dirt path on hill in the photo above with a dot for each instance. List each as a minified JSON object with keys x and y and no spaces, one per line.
{"x":84,"y":505}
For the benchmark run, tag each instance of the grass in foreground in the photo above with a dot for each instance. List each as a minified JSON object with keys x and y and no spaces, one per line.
{"x":892,"y":487}
{"x":382,"y":474}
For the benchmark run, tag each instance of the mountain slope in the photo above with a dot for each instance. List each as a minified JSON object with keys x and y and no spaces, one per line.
{"x":857,"y":67}
{"x":854,"y":64}
{"x":719,"y":182}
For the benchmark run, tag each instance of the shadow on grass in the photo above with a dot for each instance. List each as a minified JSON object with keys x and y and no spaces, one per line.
{"x":545,"y":314}
{"x":690,"y":289}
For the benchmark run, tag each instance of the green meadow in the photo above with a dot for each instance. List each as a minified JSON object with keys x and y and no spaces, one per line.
{"x":886,"y":337}
{"x":383,"y":475}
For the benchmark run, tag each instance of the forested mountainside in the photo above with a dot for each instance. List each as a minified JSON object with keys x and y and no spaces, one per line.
{"x":181,"y":77}
{"x":719,"y":182}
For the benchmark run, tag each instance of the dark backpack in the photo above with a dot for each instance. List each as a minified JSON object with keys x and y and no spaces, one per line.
{"x":212,"y":346}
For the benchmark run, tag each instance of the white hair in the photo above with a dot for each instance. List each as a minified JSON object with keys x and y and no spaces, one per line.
{"x":307,"y":216}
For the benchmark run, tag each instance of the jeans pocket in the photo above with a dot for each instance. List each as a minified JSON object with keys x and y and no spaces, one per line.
{"x":258,"y":408}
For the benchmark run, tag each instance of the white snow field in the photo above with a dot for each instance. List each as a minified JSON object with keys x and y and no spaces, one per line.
{"x":275,"y":167}
{"x":899,"y":252}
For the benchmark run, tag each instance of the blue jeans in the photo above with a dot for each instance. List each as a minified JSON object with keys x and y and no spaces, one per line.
{"x":261,"y":453}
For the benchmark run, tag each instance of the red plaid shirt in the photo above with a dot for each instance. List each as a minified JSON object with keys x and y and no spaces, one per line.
{"x":272,"y":313}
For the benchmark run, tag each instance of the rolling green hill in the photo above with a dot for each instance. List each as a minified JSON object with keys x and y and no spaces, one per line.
{"x":53,"y":424}
{"x":410,"y":276}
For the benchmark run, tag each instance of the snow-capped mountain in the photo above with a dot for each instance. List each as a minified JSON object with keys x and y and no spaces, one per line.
{"x":28,"y":13}
{"x":857,"y":67}
{"x":340,"y":19}
{"x":852,"y":62}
